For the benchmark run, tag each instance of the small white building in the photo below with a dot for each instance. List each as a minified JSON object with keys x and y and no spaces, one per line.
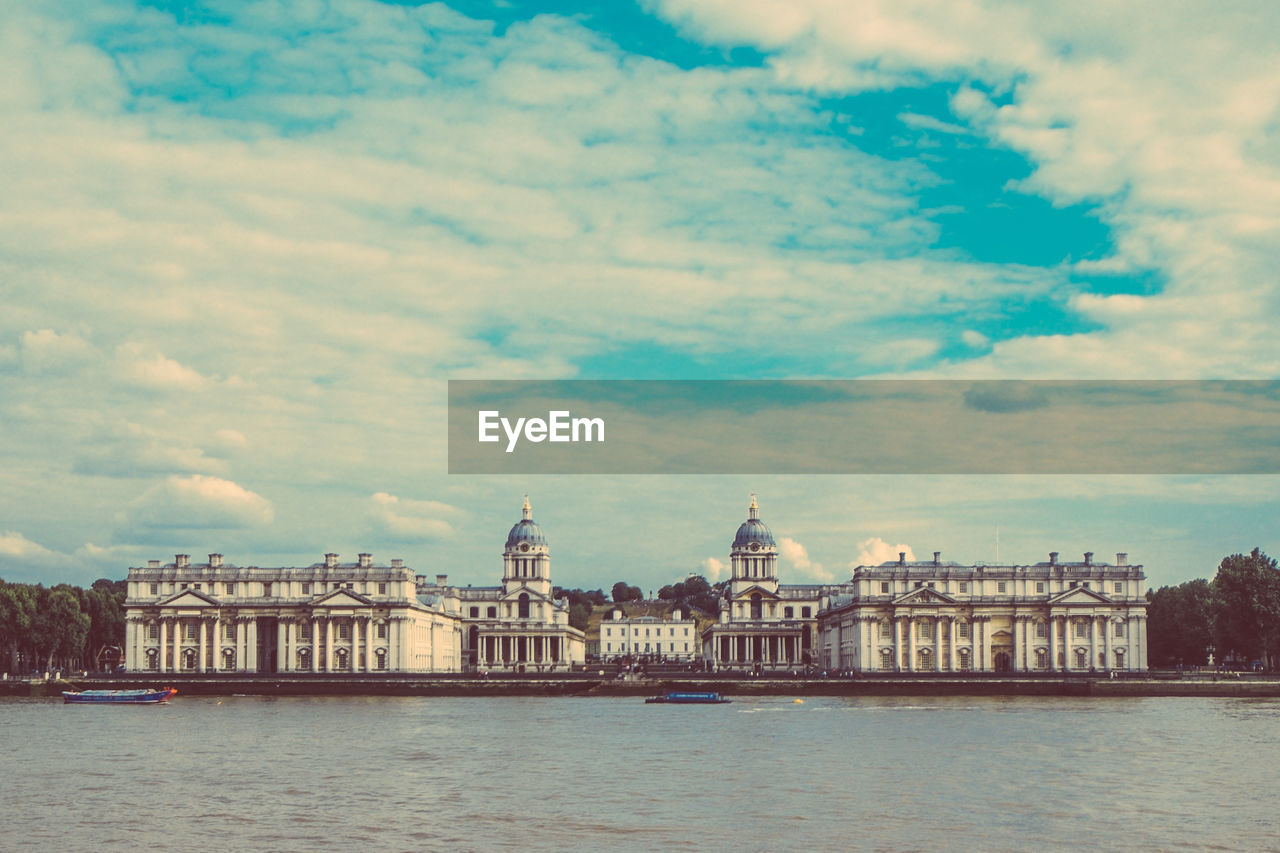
{"x":648,"y":637}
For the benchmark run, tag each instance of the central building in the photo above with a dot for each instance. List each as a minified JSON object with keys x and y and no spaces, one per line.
{"x":762,"y":625}
{"x":519,"y":626}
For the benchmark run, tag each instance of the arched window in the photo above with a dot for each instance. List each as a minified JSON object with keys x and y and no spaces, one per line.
{"x":381,"y":656}
{"x":1119,"y":658}
{"x":341,"y":659}
{"x":228,"y":658}
{"x":965,"y":663}
{"x":189,"y":659}
{"x":924,"y":660}
{"x":1082,"y":659}
{"x":756,"y":606}
{"x":1042,"y":658}
{"x":153,"y":659}
{"x":886,"y":659}
{"x":524,"y":605}
{"x":304,"y":659}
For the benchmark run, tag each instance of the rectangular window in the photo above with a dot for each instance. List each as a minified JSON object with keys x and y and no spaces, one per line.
{"x":964,"y":586}
{"x":197,"y":586}
{"x":266,"y":590}
{"x":964,"y":630}
{"x":191,"y":632}
{"x":1086,"y":584}
{"x":153,"y":632}
{"x":344,"y":631}
{"x":475,"y":612}
{"x":788,"y":612}
{"x":884,"y":587}
{"x":184,"y":586}
{"x":886,"y":629}
{"x":1001,"y":586}
{"x":306,"y":589}
{"x":1119,"y":586}
{"x":608,"y":632}
{"x":1040,"y":630}
{"x":230,"y":633}
{"x":1119,"y":629}
{"x":1074,"y":585}
{"x":1080,"y":629}
{"x":304,"y":631}
{"x":919,"y":584}
{"x":229,"y":588}
{"x":930,"y":584}
{"x":608,"y":647}
{"x":382,"y":630}
{"x":350,"y":585}
{"x":925,"y":631}
{"x":155,"y":589}
{"x":1040,"y":586}
{"x":806,"y":612}
{"x":382,"y":589}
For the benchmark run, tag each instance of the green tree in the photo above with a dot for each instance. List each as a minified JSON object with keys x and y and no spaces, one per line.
{"x":106,"y":621}
{"x":1246,"y":606}
{"x":17,"y":613}
{"x":1180,"y":624}
{"x":623,"y":592}
{"x":578,"y":615}
{"x":60,"y":627}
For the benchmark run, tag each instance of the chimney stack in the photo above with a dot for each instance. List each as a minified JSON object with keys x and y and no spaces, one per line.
{"x":442,"y":580}
{"x":1088,"y":558}
{"x":153,"y":564}
{"x":366,"y":560}
{"x":330,"y":560}
{"x":397,"y":563}
{"x":936,"y":556}
{"x":902,"y":558}
{"x":1053,"y":558}
{"x":181,"y":561}
{"x":1122,"y":559}
{"x":215,"y":561}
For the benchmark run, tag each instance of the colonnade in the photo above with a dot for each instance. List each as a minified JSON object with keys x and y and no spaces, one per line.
{"x":1060,"y":642}
{"x":515,"y":649}
{"x":732,"y":648}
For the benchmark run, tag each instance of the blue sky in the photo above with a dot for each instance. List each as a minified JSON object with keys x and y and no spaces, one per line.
{"x":244,"y":245}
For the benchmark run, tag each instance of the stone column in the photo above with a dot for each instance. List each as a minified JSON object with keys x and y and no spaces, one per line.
{"x":953,"y":634}
{"x":217,"y":642}
{"x":897,"y":643}
{"x":251,"y":644}
{"x":1053,"y":643}
{"x":282,"y":646}
{"x":177,"y":645}
{"x":315,"y":643}
{"x":911,"y":644}
{"x":241,"y":654}
{"x":329,"y":632}
{"x":368,"y":644}
{"x":1093,"y":642}
{"x":202,"y":648}
{"x":161,"y":659}
{"x":1106,"y":641}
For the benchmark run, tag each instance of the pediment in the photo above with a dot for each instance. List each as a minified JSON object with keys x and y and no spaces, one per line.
{"x":342,"y":598}
{"x":190,"y":598}
{"x":514,"y":594}
{"x":754,"y":590}
{"x":924,"y":595}
{"x":1080,"y":595}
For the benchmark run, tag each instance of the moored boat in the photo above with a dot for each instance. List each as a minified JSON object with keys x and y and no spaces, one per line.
{"x":119,"y":697}
{"x":687,"y":699}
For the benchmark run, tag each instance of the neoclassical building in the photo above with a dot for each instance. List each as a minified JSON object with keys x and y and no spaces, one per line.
{"x":933,"y":616}
{"x":327,"y":617}
{"x":518,"y":626}
{"x":763,"y":624}
{"x":630,"y":637}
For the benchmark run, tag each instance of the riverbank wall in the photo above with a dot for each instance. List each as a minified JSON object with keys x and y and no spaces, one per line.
{"x":584,"y":684}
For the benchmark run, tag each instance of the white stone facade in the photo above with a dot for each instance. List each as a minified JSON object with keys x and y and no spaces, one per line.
{"x":518,"y":626}
{"x":931,"y":617}
{"x":330,"y":617}
{"x":674,"y":639}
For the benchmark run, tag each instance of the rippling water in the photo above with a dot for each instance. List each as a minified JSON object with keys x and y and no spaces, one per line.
{"x":539,"y":774}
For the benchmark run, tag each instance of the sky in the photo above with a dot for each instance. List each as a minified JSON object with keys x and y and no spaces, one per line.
{"x":244,"y":245}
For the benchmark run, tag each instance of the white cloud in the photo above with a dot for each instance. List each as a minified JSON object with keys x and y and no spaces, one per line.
{"x":13,"y":544}
{"x":797,"y":557}
{"x":197,"y":502}
{"x":154,"y":370}
{"x":875,"y":551}
{"x":410,"y":520}
{"x":712,"y":569}
{"x":46,"y":351}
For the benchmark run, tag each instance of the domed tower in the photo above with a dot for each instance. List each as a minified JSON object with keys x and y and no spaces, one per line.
{"x":754,"y":554}
{"x":526,"y":561}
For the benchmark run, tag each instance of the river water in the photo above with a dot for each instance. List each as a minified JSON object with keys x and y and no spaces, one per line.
{"x":549,"y":774}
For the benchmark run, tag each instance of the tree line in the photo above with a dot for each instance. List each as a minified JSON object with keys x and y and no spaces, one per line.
{"x":61,"y":627}
{"x":1237,"y":615}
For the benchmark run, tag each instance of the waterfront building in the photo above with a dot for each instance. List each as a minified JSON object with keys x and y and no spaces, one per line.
{"x":623,"y":636}
{"x":518,"y":626}
{"x":327,"y":617}
{"x":932,"y":616}
{"x":762,"y":624}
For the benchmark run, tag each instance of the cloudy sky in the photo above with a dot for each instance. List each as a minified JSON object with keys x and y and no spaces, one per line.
{"x":243,"y":245}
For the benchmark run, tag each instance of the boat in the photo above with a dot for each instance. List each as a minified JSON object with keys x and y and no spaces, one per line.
{"x":687,"y":699}
{"x":119,"y":697}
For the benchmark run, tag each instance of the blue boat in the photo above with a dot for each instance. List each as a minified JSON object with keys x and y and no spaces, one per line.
{"x":119,"y":697}
{"x":688,"y":699}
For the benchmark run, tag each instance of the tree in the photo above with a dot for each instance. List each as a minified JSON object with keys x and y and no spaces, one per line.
{"x":17,"y":611}
{"x":1246,"y":606}
{"x":1180,"y":624}
{"x":60,"y":627}
{"x":578,"y":615}
{"x":622,"y":592}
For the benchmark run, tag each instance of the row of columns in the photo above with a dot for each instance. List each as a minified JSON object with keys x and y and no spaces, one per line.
{"x":209,"y":636}
{"x":732,"y":649}
{"x":1101,"y":654}
{"x":509,"y":649}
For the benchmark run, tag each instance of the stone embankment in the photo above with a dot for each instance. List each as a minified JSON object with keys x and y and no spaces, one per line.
{"x":590,"y":684}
